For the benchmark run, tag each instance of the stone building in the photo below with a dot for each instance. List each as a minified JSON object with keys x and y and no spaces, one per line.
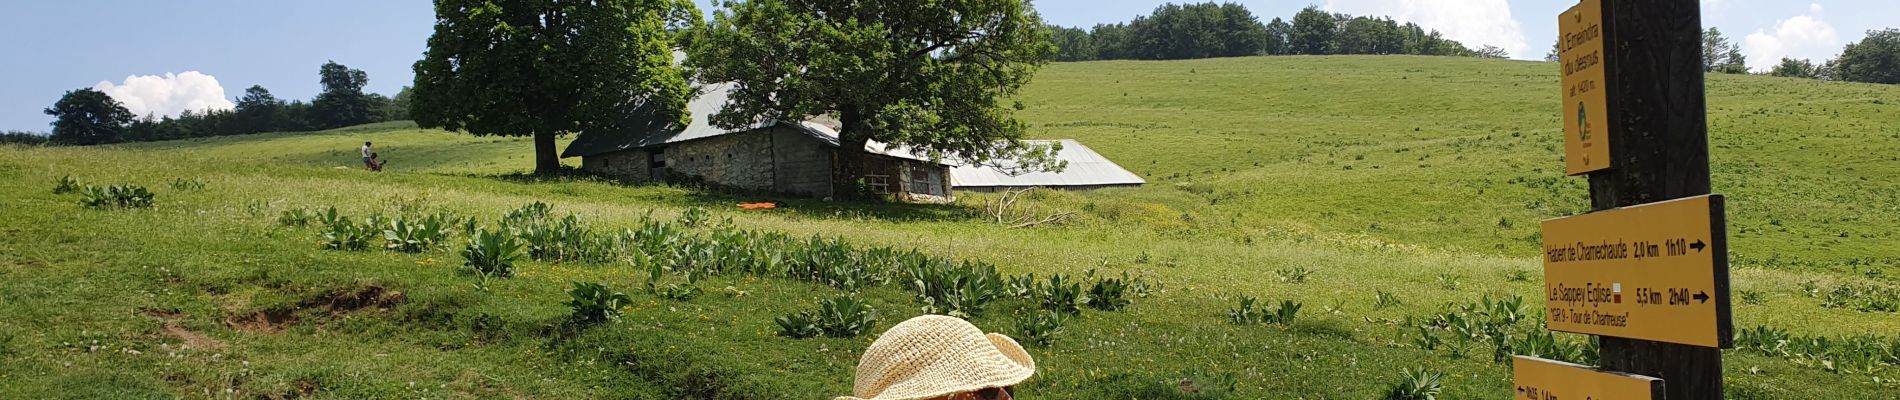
{"x":774,"y":156}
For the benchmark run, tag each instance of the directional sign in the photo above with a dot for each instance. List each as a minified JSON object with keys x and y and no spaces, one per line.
{"x":1540,"y":379}
{"x":1586,"y":102}
{"x":1656,"y":271}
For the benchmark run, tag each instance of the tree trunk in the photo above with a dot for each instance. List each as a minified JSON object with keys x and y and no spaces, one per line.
{"x":546,"y":161}
{"x":850,"y":160}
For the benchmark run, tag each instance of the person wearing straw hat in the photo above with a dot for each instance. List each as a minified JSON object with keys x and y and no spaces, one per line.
{"x":936,"y":357}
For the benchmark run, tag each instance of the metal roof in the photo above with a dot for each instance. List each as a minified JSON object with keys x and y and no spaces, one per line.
{"x":710,"y":100}
{"x":1085,"y":168}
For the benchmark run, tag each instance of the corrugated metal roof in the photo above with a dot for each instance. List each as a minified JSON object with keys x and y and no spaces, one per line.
{"x":1085,"y":168}
{"x":711,"y":99}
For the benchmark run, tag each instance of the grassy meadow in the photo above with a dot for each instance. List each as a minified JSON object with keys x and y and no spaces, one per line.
{"x":1380,"y":192}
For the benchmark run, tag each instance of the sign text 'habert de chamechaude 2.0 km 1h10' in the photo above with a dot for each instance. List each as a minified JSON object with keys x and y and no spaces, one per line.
{"x":1655,"y":271}
{"x":1585,"y":97}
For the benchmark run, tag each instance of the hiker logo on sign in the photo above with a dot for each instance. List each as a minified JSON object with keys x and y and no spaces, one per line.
{"x":1583,"y":123}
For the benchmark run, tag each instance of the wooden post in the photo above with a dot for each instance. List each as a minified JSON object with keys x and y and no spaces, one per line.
{"x":1659,"y":148}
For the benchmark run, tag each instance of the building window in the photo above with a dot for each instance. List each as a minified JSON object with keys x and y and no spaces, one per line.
{"x":878,"y":183}
{"x":926,"y":181}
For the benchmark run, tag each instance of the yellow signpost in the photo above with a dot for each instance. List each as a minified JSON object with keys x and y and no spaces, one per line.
{"x":1655,"y":271}
{"x":1585,"y":94}
{"x":1541,"y":379}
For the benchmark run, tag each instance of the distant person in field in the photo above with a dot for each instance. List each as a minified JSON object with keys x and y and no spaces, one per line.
{"x":376,"y":163}
{"x":368,"y":157}
{"x":935,"y":357}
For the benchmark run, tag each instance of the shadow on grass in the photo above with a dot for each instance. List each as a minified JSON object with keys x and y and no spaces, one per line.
{"x":722,"y":198}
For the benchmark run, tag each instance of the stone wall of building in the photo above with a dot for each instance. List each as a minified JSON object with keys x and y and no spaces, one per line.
{"x":802,"y":163}
{"x":740,"y":160}
{"x":630,"y":164}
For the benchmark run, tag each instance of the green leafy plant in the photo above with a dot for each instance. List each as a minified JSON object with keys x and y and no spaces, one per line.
{"x":1427,"y":340}
{"x":530,"y":212}
{"x":960,"y":290}
{"x":800,"y":325}
{"x":1020,"y":286}
{"x":1382,"y":299}
{"x":1039,"y":328}
{"x":593,"y":303}
{"x":1416,"y":385}
{"x":1285,"y":314}
{"x":1110,"y":294}
{"x":116,"y":196}
{"x":415,"y":234}
{"x":1245,"y":313}
{"x":656,"y":276}
{"x":182,"y":184}
{"x":295,"y":217}
{"x":841,"y":317}
{"x":1517,"y":275}
{"x":1450,"y":281}
{"x":344,"y":234}
{"x":492,"y":254}
{"x":694,"y":217}
{"x":1296,"y":274}
{"x":65,"y":184}
{"x":1059,"y":294}
{"x":557,"y":240}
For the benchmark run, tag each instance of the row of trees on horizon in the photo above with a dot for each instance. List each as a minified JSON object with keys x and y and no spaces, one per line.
{"x":1208,"y":30}
{"x":1874,"y":59}
{"x":87,"y":116}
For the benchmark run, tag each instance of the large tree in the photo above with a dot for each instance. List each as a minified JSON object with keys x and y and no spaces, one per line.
{"x":544,"y":68}
{"x":1875,"y":59}
{"x":1720,"y":55}
{"x":1313,"y":31}
{"x":929,"y":77}
{"x":1793,"y":68}
{"x":87,"y":116}
{"x":342,"y":102}
{"x":259,"y":111}
{"x":1072,"y":44}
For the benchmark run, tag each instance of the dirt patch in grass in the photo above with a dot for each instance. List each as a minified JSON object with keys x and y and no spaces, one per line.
{"x":357,"y":297}
{"x":193,"y":339}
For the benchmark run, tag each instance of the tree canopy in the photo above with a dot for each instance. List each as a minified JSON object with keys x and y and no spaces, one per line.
{"x":932,"y":78}
{"x":544,"y":68}
{"x":1874,"y":59}
{"x":1206,"y":30}
{"x":86,"y":116}
{"x":1792,"y":68}
{"x":342,"y":102}
{"x":1720,"y":55}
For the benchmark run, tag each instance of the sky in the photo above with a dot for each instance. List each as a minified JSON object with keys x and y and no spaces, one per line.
{"x":164,"y":57}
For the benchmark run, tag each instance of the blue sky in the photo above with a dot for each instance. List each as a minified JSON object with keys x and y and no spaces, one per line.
{"x":164,"y":56}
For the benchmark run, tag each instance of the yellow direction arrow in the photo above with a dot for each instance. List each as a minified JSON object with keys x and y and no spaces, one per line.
{"x":1540,"y":379}
{"x":1656,"y":271}
{"x":1585,"y":92}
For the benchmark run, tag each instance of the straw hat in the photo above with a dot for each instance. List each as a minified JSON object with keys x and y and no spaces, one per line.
{"x":935,"y":355}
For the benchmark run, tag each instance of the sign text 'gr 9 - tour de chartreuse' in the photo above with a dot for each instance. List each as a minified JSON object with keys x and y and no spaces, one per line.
{"x":1654,"y":272}
{"x":1585,"y":95}
{"x":1541,"y":379}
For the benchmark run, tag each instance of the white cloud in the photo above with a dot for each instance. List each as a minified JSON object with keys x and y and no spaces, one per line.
{"x":1473,"y":22}
{"x":1802,"y":36}
{"x":168,"y":95}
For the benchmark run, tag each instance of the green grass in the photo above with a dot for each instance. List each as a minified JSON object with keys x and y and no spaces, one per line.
{"x":1371,"y":173}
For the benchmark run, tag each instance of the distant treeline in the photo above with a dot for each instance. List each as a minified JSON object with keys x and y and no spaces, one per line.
{"x":22,"y":137}
{"x":87,"y":116}
{"x":1207,"y":30}
{"x":1874,"y":59}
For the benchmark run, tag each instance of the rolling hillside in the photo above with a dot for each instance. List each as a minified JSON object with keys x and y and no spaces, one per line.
{"x":1379,"y":192}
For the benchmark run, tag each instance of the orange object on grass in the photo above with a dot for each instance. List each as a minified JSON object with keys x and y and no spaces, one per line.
{"x":756,"y":206}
